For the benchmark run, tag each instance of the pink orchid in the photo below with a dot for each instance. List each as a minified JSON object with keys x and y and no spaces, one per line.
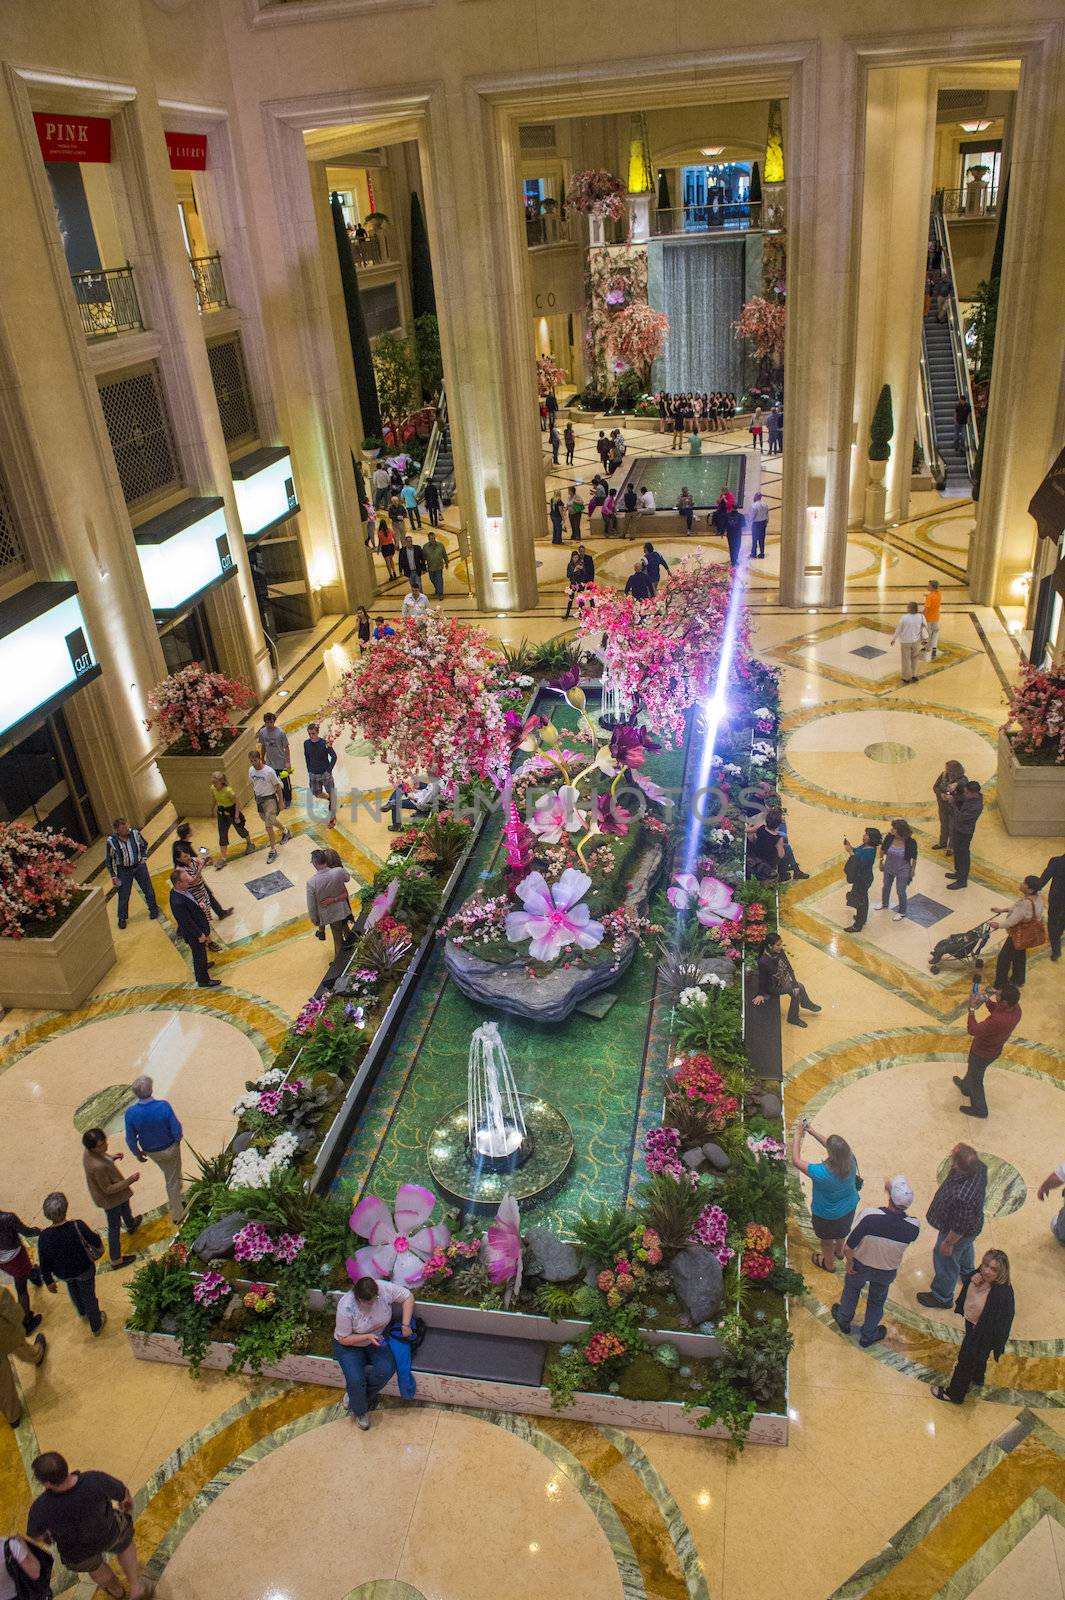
{"x":502,"y":1246}
{"x":557,"y":814}
{"x":394,"y":1251}
{"x":712,"y":899}
{"x":382,"y":905}
{"x":652,"y":790}
{"x":611,"y":816}
{"x":552,"y":918}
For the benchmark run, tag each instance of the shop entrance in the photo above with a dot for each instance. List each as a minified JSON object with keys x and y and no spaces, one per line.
{"x":41,"y":782}
{"x":188,"y":639}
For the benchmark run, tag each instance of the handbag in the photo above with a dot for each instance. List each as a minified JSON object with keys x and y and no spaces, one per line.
{"x":1029,"y":935}
{"x":93,"y":1251}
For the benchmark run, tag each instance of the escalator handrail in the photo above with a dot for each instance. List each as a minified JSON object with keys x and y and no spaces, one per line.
{"x":957,"y":340}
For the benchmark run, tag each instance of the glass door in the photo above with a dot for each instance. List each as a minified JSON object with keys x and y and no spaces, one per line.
{"x":693,"y":194}
{"x":41,"y":782}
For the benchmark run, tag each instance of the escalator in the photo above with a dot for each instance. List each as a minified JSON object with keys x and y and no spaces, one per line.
{"x":945,"y":376}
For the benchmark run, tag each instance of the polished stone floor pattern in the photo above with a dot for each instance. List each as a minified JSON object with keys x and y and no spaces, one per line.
{"x":262,"y":1490}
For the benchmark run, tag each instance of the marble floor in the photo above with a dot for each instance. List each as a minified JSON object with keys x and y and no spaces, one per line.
{"x":262,"y":1490}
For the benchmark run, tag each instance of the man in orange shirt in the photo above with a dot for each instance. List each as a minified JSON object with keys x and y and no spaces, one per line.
{"x":932,"y":602}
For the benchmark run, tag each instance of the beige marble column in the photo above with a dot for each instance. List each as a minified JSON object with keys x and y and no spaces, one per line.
{"x":899,"y":146}
{"x":481,"y":278}
{"x":1027,"y":382}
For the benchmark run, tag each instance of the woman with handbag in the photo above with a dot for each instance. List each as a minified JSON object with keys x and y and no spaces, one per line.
{"x":898,"y":863}
{"x":986,"y":1302}
{"x":950,"y":780}
{"x":111,"y":1190}
{"x":858,"y":871}
{"x":1025,"y":924}
{"x":69,"y":1251}
{"x":835,"y":1191}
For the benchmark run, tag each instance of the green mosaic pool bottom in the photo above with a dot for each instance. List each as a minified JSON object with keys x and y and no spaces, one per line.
{"x":704,"y":476}
{"x":594,"y":1070}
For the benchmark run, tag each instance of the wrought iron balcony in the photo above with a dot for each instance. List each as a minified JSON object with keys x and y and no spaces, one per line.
{"x":209,"y":283}
{"x":107,"y":301}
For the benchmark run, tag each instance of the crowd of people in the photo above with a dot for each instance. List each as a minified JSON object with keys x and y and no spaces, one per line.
{"x":681,"y":414}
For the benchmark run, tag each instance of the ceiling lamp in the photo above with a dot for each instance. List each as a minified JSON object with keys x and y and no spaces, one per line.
{"x":976,"y":127}
{"x":712,"y":150}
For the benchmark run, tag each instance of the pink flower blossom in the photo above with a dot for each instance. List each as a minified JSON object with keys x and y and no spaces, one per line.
{"x":552,"y":918}
{"x":711,"y":898}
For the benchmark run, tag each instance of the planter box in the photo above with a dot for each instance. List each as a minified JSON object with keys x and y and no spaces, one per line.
{"x":660,"y":1416}
{"x":1031,"y":800}
{"x":188,"y":778}
{"x":57,"y":974}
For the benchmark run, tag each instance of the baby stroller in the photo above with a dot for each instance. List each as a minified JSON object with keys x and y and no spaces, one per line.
{"x":962,"y":947}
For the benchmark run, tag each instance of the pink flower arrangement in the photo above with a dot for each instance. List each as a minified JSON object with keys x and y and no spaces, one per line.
{"x":481,"y":920}
{"x":37,"y":881}
{"x":647,"y":1245}
{"x":661,"y":1152}
{"x":429,"y":700}
{"x":288,"y":1247}
{"x":554,"y":917}
{"x":762,"y":323}
{"x":694,"y":1077}
{"x":595,"y":192}
{"x":399,"y":1244}
{"x":711,"y":898}
{"x":603,"y":1347}
{"x":548,"y":375}
{"x":252,"y":1243}
{"x":1036,"y":723}
{"x":260,"y":1299}
{"x":211,"y":1288}
{"x":711,"y":1231}
{"x":197,"y":707}
{"x":770,"y":1149}
{"x":636,"y":337}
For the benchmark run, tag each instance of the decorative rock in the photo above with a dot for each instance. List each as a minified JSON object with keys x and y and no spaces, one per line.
{"x":551,"y":1258}
{"x":215,"y":1243}
{"x":168,"y":1324}
{"x":716,"y":1157}
{"x":241,"y":1141}
{"x":696,"y":1278}
{"x":694,"y":1158}
{"x":769,"y":1104}
{"x":316,"y":1300}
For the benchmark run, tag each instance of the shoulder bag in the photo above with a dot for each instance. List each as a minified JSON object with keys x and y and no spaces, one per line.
{"x":93,"y":1251}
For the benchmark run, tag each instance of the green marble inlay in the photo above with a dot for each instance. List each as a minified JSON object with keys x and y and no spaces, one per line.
{"x":385,"y":1589}
{"x":887,"y":750}
{"x":104,"y":1108}
{"x":1006,"y":1189}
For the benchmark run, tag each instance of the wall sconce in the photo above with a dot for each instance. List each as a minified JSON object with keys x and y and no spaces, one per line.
{"x":976,"y":126}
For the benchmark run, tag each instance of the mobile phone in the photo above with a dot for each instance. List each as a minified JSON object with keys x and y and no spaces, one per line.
{"x":204,"y":850}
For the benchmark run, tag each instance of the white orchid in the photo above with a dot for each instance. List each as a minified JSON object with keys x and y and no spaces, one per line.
{"x":711,"y":898}
{"x":552,"y":918}
{"x":691,"y":997}
{"x":557,"y":814}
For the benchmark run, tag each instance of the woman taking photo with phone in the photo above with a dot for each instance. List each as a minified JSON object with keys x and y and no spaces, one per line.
{"x":835,"y":1192}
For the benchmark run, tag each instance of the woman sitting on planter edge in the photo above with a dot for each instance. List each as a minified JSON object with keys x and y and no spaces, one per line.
{"x":360,"y":1347}
{"x":986,"y":1302}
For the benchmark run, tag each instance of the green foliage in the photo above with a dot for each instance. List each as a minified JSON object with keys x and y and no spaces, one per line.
{"x":760,"y":1362}
{"x":587,"y":1302}
{"x":161,"y":1288}
{"x":446,"y":838}
{"x":881,"y":427}
{"x":471,"y":1281}
{"x":567,"y":1374}
{"x":369,"y":407}
{"x":644,"y":1379}
{"x":427,"y":350}
{"x":395,"y":365}
{"x":604,"y":1233}
{"x":984,"y":323}
{"x":554,"y":1300}
{"x":552,"y":656}
{"x":671,"y":1208}
{"x":721,"y":1401}
{"x":518,"y":657}
{"x":283,"y":1204}
{"x":417,"y":896}
{"x":755,"y":1191}
{"x":783,"y":1280}
{"x":714,"y":1027}
{"x":204,"y":1192}
{"x":334,"y":1050}
{"x":422,"y":292}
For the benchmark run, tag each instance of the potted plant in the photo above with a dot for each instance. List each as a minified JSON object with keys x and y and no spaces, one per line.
{"x":195,"y":712}
{"x":372,"y":445}
{"x":880,"y":430}
{"x":55,"y":939}
{"x":597,"y":195}
{"x":1031,"y":755}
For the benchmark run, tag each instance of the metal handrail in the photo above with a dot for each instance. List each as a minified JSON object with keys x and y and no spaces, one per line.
{"x":209,"y":283}
{"x":926,"y":429}
{"x":957,"y":337}
{"x":732,"y":216}
{"x":432,"y":448}
{"x":956,"y":202}
{"x":107,"y":301}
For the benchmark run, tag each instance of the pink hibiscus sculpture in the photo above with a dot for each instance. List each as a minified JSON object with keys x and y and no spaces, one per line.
{"x":556,"y":814}
{"x":394,"y":1251}
{"x":552,"y":918}
{"x":502,"y":1247}
{"x":711,"y":898}
{"x":382,"y":904}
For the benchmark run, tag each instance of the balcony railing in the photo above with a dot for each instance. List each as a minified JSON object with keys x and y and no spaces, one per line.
{"x":208,"y":282}
{"x":970,"y":202}
{"x":107,"y":301}
{"x":729,"y":216}
{"x":372,"y":251}
{"x":546,"y":229}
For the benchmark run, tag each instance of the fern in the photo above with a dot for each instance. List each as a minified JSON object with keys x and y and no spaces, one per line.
{"x":604,"y":1233}
{"x":672,"y":1208}
{"x":555,"y":1301}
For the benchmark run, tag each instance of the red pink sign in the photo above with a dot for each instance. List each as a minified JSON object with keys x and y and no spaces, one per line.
{"x":67,"y":138}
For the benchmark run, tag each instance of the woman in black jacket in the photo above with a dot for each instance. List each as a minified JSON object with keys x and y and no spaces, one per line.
{"x":986,"y":1302}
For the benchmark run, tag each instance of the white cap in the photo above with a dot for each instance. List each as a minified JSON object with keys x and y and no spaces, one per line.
{"x":900,"y":1191}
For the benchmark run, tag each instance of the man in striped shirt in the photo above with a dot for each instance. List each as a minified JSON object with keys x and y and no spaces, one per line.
{"x":874,"y":1251}
{"x":127,"y":862}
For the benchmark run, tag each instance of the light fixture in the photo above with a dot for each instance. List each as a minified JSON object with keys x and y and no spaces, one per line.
{"x":976,"y":127}
{"x":712,"y":150}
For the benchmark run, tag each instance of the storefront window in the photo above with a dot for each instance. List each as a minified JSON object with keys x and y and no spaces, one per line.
{"x":41,"y":782}
{"x":188,"y":640}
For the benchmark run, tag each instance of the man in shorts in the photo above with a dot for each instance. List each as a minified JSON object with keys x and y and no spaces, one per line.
{"x":87,"y":1516}
{"x":266,"y":787}
{"x":321,"y":758}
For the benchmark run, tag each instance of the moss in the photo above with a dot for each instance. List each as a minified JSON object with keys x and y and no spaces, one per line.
{"x":645,"y":1379}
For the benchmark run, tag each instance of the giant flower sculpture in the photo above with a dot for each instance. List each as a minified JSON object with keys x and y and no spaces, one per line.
{"x":556,"y":814}
{"x":553,"y":918}
{"x":394,"y":1250}
{"x":711,"y":898}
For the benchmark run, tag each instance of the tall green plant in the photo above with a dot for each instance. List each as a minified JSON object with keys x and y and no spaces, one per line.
{"x":369,"y":406}
{"x":422,"y":292}
{"x":882,"y":426}
{"x":395,"y":367}
{"x":427,"y":349}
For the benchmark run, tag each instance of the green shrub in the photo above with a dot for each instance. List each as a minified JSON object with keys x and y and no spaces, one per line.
{"x":604,"y":1233}
{"x":881,"y":427}
{"x":672,"y":1208}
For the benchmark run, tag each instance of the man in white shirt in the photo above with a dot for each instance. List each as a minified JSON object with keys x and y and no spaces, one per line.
{"x":382,"y":481}
{"x":647,"y":501}
{"x":1055,"y":1180}
{"x":415,"y":603}
{"x":911,"y":635}
{"x":266,"y":787}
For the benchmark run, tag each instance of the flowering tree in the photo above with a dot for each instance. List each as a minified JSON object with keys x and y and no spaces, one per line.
{"x":662,"y":654}
{"x":1036,"y":725}
{"x":762,"y":323}
{"x":37,"y":882}
{"x":596,"y":193}
{"x":615,"y":283}
{"x":548,"y":375}
{"x":636,"y":337}
{"x":429,"y":701}
{"x":196,"y":708}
